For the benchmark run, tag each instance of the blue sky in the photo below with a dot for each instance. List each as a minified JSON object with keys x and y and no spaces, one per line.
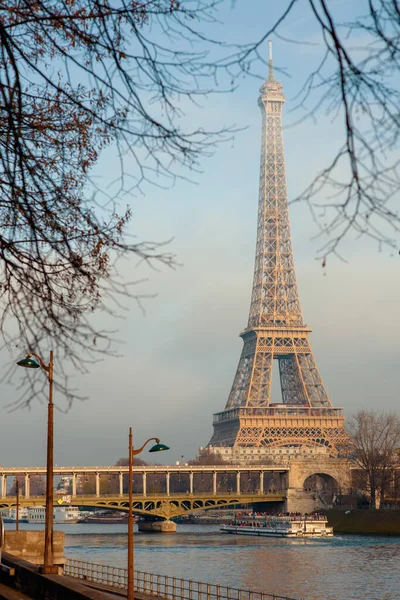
{"x":179,"y":359}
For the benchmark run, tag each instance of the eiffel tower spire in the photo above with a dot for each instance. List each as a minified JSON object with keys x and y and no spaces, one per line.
{"x":276,"y":330}
{"x":270,"y":69}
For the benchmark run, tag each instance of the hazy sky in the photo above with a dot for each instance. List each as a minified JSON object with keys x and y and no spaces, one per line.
{"x":179,"y":359}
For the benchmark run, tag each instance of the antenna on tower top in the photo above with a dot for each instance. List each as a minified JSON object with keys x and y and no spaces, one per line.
{"x":271,"y":70}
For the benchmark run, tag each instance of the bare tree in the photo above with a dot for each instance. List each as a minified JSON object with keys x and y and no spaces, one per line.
{"x":356,"y":82}
{"x":78,"y":75}
{"x":376,"y":441}
{"x":37,"y":485}
{"x":124,"y":462}
{"x":205,"y":457}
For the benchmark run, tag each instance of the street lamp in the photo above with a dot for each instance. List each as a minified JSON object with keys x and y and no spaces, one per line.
{"x":17,"y":507}
{"x":30,"y":363}
{"x":133,"y":452}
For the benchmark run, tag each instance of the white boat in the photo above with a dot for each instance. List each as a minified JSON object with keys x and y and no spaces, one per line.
{"x":291,"y":527}
{"x":61,"y":514}
{"x":9,"y":515}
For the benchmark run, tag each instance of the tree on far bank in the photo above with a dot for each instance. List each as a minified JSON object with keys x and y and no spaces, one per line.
{"x":124,"y":462}
{"x":37,"y":485}
{"x":205,"y":457}
{"x":376,"y":450}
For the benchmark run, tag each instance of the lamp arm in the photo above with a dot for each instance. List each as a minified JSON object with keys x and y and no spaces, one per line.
{"x":139,"y":450}
{"x":41,"y":363}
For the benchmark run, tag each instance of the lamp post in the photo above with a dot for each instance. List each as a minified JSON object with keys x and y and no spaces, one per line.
{"x":17,"y":507}
{"x":29,"y":363}
{"x":133,"y":452}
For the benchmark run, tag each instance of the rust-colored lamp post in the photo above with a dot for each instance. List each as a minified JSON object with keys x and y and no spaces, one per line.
{"x":30,"y":363}
{"x":17,"y":504}
{"x":133,"y":452}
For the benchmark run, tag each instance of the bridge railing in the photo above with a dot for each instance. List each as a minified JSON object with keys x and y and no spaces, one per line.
{"x":163,"y":494}
{"x":149,"y":469}
{"x":139,"y":496}
{"x":161,"y":586}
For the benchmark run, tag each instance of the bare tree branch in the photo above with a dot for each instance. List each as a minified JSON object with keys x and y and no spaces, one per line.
{"x":376,"y":447}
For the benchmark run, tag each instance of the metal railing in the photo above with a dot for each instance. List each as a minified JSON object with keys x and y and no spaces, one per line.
{"x":161,"y":586}
{"x":149,"y":469}
{"x":104,"y":574}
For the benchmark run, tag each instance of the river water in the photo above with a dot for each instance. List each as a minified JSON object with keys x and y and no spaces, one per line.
{"x":338,"y":568}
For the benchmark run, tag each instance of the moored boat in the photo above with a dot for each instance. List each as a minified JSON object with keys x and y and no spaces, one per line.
{"x":61,"y":514}
{"x":105,"y":518}
{"x":286,"y":526}
{"x":9,"y":515}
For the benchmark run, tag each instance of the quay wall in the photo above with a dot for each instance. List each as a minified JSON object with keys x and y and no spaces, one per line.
{"x":364,"y":522}
{"x":29,"y":545}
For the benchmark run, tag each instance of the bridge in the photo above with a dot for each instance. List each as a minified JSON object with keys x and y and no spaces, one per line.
{"x":158,"y":491}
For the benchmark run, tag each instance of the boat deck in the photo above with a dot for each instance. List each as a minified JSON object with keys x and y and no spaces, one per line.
{"x":281,"y":527}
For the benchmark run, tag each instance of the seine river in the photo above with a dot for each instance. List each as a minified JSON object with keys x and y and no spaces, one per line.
{"x":339,"y":568}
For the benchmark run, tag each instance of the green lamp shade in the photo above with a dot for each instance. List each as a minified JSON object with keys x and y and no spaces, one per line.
{"x":28,"y":363}
{"x":158,"y":448}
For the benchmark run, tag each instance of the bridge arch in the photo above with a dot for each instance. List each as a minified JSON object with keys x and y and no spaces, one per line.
{"x":158,"y":505}
{"x":321,"y":483}
{"x":320,"y":474}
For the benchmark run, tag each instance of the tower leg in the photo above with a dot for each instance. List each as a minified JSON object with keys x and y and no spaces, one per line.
{"x":316,"y":391}
{"x":261,"y":380}
{"x":293,"y":389}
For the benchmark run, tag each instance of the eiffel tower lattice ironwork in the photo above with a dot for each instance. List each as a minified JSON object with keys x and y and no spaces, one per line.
{"x":276,"y":329}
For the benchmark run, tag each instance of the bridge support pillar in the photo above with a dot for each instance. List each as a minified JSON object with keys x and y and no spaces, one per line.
{"x":168,"y":479}
{"x":215,"y":483}
{"x":144,"y":482}
{"x":27,"y":486}
{"x":261,"y":482}
{"x":298,"y":500}
{"x":4,"y":485}
{"x":121,"y":484}
{"x":191,"y":482}
{"x":73,"y":484}
{"x":97,"y":484}
{"x":157,"y":526}
{"x":238,"y":482}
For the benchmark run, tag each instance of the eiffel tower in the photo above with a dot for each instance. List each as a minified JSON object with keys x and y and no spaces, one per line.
{"x":305,"y":418}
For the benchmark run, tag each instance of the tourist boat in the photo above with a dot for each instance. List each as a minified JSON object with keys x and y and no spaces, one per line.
{"x":61,"y":514}
{"x":9,"y":515}
{"x":287,"y":526}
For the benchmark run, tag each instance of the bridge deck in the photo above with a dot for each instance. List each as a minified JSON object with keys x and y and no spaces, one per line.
{"x":160,"y":505}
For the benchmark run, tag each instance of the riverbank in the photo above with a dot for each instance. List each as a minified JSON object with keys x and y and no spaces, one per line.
{"x":364,"y":522}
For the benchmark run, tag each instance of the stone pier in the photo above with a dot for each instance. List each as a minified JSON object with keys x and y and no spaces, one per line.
{"x":157,"y":526}
{"x":301,"y":496}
